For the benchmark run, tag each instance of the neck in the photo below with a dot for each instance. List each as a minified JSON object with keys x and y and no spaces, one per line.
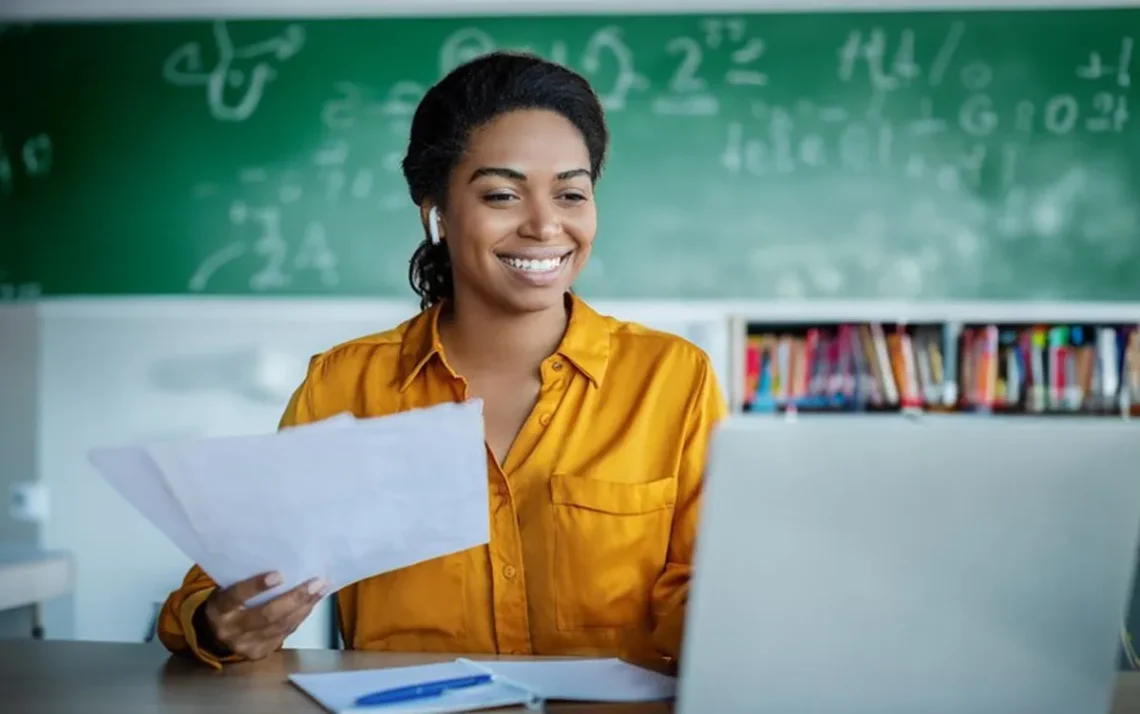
{"x":480,"y":337}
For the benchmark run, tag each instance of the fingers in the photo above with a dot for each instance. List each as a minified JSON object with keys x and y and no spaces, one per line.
{"x":288,"y":624}
{"x":224,"y":607}
{"x":302,"y":596}
{"x":257,"y":632}
{"x":264,"y":629}
{"x":236,"y":595}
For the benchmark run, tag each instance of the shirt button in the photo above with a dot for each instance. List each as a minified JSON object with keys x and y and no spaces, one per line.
{"x":544,"y":420}
{"x":509,"y":572}
{"x":556,"y":366}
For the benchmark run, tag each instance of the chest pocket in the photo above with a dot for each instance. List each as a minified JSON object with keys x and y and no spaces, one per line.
{"x":610,"y":544}
{"x":418,"y":608}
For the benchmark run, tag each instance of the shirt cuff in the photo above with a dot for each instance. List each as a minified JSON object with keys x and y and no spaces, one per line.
{"x":190,"y":607}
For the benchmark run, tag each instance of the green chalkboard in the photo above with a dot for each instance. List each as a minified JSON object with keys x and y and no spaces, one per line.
{"x":917,"y":155}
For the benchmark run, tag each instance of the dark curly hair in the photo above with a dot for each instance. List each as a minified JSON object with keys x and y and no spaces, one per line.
{"x":469,"y":97}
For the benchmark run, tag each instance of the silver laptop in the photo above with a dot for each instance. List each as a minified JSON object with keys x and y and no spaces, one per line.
{"x":880,"y":565}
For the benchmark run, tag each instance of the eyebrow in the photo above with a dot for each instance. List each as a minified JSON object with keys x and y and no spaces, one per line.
{"x":514,"y":175}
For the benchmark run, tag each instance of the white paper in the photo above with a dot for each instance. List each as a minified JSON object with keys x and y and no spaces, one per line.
{"x":342,"y":499}
{"x":338,"y":691}
{"x":586,"y":680}
{"x":133,"y":473}
{"x":513,"y":683}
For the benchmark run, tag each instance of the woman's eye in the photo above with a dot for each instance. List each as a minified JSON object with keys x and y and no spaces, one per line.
{"x":499,"y":197}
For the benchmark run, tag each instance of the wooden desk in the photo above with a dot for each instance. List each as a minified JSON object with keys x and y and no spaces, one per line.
{"x":95,"y":678}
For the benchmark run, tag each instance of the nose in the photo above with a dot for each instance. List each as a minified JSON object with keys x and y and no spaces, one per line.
{"x":542,"y":222}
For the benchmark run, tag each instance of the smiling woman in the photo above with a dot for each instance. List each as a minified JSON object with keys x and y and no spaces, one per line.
{"x":596,"y":429}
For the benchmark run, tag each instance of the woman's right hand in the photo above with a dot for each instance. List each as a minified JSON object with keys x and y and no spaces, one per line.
{"x":256,"y":632}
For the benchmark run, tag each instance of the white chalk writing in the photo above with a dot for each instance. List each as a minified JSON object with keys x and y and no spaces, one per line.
{"x":915,"y":103}
{"x":1095,"y":68}
{"x":31,"y":158}
{"x":277,"y":260}
{"x":243,"y":71}
{"x":604,"y":47}
{"x":463,"y":46}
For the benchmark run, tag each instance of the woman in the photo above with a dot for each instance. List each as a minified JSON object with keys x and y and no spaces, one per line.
{"x":596,"y":429}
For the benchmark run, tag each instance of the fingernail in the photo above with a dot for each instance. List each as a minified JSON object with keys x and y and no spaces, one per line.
{"x":317,"y":587}
{"x":273,"y":580}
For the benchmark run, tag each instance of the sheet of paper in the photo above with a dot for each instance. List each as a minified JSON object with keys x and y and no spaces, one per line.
{"x":344,"y":503}
{"x":134,"y":475}
{"x":589,"y":680}
{"x":337,"y":691}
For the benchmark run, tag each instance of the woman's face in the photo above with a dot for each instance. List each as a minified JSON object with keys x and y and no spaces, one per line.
{"x":521,"y":216}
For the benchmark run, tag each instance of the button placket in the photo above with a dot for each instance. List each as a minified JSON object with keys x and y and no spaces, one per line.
{"x":552,"y":386}
{"x":541,"y":416}
{"x":509,"y":603}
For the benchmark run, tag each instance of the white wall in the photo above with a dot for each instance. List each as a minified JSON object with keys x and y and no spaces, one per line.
{"x":19,"y":368}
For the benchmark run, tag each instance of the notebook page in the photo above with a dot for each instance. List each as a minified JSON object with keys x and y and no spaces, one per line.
{"x":590,"y":680}
{"x":337,"y":691}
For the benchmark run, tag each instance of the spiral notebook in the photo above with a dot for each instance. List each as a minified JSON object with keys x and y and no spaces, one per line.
{"x":511,"y":683}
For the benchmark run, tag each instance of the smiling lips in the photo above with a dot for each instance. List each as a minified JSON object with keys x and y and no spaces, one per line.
{"x":532,"y":265}
{"x":536,"y":268}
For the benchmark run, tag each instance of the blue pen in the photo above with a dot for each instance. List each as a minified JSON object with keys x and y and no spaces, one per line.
{"x":420,"y":691}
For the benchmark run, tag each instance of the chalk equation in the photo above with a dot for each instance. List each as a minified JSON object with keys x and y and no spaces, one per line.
{"x":31,"y":158}
{"x":337,"y":177}
{"x":726,"y":76}
{"x":807,"y":136}
{"x":236,"y":81}
{"x":883,"y":61}
{"x":265,"y":241}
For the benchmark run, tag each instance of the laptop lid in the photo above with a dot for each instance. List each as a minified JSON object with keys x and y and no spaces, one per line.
{"x":947,"y":565}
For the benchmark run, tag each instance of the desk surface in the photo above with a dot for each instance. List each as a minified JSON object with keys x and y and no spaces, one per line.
{"x":98,"y":678}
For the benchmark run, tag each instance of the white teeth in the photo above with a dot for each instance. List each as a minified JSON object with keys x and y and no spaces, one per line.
{"x":533,"y":266}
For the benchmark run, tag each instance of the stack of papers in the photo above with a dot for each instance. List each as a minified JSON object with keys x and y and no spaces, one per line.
{"x":341,"y":499}
{"x":512,"y":683}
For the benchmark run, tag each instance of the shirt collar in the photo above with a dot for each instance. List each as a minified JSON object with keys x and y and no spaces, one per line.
{"x":587,"y":340}
{"x":420,"y":344}
{"x":586,"y":343}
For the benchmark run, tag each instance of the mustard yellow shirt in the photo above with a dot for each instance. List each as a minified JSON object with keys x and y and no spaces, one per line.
{"x":593,"y":514}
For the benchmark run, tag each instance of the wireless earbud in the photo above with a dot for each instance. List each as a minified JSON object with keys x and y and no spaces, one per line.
{"x":433,"y":225}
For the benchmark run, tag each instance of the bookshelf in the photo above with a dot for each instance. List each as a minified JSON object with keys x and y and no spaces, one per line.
{"x":1071,"y":359}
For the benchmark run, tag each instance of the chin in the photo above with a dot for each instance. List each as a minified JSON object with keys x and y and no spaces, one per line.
{"x":534,"y":299}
